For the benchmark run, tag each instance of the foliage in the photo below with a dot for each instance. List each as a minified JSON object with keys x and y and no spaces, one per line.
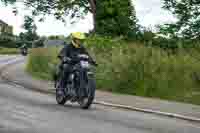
{"x":8,"y":43}
{"x":39,"y":42}
{"x":115,"y":18}
{"x":29,"y":24}
{"x":110,"y":17}
{"x":30,"y":35}
{"x":30,"y":27}
{"x":28,"y":38}
{"x":168,"y":30}
{"x":8,"y":1}
{"x":187,"y":13}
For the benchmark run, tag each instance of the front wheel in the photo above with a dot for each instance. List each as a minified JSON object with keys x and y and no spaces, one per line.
{"x":60,"y":97}
{"x":86,"y":102}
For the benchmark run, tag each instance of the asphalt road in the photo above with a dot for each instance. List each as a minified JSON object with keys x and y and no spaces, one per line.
{"x":26,"y":111}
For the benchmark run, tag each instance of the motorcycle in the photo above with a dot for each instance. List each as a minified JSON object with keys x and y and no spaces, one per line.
{"x":24,"y":51}
{"x":80,"y":85}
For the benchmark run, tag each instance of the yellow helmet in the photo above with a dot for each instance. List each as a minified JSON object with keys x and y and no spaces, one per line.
{"x":78,"y":35}
{"x":77,"y":38}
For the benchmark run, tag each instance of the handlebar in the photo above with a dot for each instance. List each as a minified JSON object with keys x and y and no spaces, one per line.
{"x":77,"y":59}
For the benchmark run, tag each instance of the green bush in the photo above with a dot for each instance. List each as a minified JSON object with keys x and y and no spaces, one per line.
{"x":134,"y":69}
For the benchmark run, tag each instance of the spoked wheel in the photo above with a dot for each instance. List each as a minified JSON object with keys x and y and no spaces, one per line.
{"x":60,"y":97}
{"x":86,"y":102}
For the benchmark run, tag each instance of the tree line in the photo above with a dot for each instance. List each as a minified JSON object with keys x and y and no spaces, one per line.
{"x":118,"y":18}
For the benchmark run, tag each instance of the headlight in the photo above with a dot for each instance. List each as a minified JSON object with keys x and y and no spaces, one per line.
{"x":85,"y":64}
{"x":83,"y":56}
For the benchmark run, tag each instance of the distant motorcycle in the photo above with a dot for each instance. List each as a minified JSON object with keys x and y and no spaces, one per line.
{"x":81,"y":86}
{"x":24,"y":51}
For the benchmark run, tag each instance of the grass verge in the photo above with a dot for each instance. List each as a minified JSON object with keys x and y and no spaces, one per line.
{"x":131,"y":68}
{"x":9,"y":51}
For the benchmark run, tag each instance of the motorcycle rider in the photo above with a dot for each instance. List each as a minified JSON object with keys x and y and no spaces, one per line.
{"x":24,"y":48}
{"x":68,"y":52}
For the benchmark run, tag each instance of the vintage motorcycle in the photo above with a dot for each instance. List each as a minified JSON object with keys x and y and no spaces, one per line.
{"x":80,"y":86}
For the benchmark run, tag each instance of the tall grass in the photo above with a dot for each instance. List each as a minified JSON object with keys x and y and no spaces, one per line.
{"x":134,"y":69}
{"x":42,"y":62}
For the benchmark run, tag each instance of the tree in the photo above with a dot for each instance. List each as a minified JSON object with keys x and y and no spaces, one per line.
{"x":30,"y":27}
{"x":29,"y":24}
{"x":30,"y":35}
{"x":168,"y":30}
{"x":115,"y":17}
{"x":187,"y":13}
{"x":123,"y":22}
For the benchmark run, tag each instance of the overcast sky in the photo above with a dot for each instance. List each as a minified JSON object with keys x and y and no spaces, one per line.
{"x":149,"y":13}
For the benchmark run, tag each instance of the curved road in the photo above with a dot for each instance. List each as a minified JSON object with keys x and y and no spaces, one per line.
{"x":26,"y":111}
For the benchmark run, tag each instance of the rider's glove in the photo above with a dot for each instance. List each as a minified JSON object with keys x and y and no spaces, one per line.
{"x":66,"y":60}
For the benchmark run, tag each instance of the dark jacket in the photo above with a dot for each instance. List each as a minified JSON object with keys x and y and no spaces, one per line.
{"x":70,"y":51}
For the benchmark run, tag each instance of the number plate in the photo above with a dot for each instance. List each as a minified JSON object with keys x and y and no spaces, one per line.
{"x":85,"y":64}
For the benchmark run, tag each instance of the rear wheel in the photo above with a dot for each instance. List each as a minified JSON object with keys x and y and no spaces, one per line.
{"x":86,"y":102}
